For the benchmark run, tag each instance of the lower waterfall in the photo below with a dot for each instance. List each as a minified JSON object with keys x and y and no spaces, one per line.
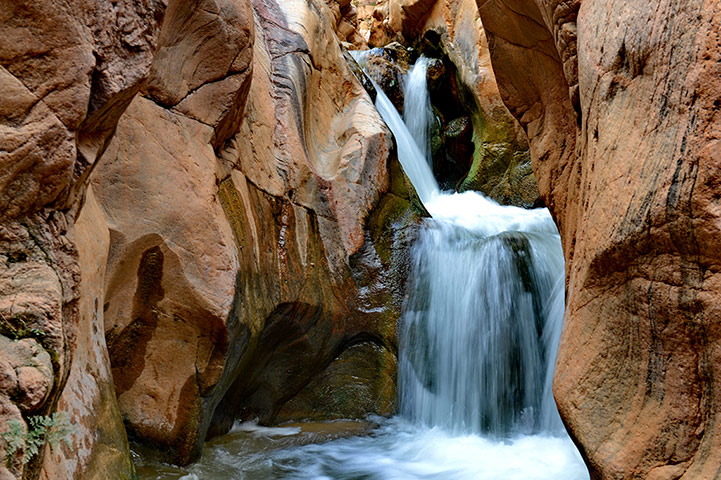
{"x":480,"y":326}
{"x":478,"y":341}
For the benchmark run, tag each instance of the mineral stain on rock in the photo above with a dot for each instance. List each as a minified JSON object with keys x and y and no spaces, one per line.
{"x":127,"y":347}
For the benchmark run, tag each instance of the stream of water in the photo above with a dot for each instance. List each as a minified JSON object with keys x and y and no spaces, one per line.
{"x":478,"y":337}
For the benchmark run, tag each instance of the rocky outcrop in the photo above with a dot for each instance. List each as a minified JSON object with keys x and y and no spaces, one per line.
{"x":68,"y":73}
{"x":239,"y":269}
{"x":172,"y":263}
{"x":621,"y":106}
{"x":345,"y":21}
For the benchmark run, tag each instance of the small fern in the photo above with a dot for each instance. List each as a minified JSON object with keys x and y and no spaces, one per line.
{"x":41,"y":430}
{"x":14,"y":438}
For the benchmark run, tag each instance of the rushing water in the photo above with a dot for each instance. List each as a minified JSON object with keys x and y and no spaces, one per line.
{"x":479,"y":337}
{"x":479,"y":328}
{"x":417,"y":111}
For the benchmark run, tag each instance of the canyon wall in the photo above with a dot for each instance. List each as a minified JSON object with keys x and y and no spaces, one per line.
{"x":68,"y":71}
{"x":199,"y":207}
{"x":620,"y":102}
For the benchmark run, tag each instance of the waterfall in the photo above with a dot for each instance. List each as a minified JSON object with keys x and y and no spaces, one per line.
{"x":478,"y":339}
{"x":417,"y":111}
{"x":411,"y":157}
{"x":409,"y":153}
{"x":481,"y":325}
{"x":479,"y":330}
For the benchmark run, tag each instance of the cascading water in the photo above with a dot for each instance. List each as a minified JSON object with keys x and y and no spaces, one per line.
{"x":417,"y":111}
{"x":481,"y":326}
{"x":410,"y":155}
{"x":478,"y":339}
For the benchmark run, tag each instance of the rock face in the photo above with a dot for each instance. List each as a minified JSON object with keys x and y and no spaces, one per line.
{"x":238,"y":267}
{"x":67,"y":75}
{"x":621,"y":106}
{"x":345,"y":18}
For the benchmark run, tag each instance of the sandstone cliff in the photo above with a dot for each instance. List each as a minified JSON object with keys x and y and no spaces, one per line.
{"x":67,"y":72}
{"x":620,"y":102}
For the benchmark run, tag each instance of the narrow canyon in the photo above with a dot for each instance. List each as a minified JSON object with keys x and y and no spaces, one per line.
{"x":342,"y":239}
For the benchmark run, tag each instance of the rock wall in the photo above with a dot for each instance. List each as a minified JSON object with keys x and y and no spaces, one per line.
{"x":68,"y":71}
{"x":230,"y":278}
{"x":228,"y":256}
{"x":620,"y":102}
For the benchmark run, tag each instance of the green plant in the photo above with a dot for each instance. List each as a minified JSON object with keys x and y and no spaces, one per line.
{"x":16,"y":327}
{"x":41,"y":430}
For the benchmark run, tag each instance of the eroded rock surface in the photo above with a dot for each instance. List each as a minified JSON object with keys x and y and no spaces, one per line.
{"x":68,"y":71}
{"x":238,"y":259}
{"x":620,"y":102}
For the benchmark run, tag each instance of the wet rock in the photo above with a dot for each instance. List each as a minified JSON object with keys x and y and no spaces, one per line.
{"x":435,"y":74}
{"x":453,"y":159}
{"x":504,"y":174}
{"x":360,"y":380}
{"x":385,"y":68}
{"x":360,"y":74}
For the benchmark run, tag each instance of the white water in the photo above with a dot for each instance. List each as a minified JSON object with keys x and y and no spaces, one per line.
{"x":478,"y":342}
{"x":409,"y":153}
{"x":417,"y":111}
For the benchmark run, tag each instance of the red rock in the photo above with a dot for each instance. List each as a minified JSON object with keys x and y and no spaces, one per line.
{"x":620,"y":104}
{"x":68,"y":71}
{"x":222,"y":254}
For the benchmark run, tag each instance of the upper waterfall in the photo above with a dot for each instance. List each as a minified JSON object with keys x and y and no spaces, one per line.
{"x":417,"y":110}
{"x":411,"y":157}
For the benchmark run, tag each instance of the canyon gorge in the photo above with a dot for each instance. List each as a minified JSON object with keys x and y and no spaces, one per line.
{"x":206,"y":222}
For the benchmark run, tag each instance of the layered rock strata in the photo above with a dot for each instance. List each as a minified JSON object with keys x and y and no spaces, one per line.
{"x":620,"y":102}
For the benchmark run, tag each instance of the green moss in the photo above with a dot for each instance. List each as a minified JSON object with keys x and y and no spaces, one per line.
{"x":502,"y":171}
{"x":390,"y":211}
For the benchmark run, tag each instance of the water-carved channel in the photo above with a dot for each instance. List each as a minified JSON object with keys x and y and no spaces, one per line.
{"x":478,"y":341}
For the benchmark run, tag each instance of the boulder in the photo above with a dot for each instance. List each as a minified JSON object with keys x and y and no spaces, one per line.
{"x":388,"y":66}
